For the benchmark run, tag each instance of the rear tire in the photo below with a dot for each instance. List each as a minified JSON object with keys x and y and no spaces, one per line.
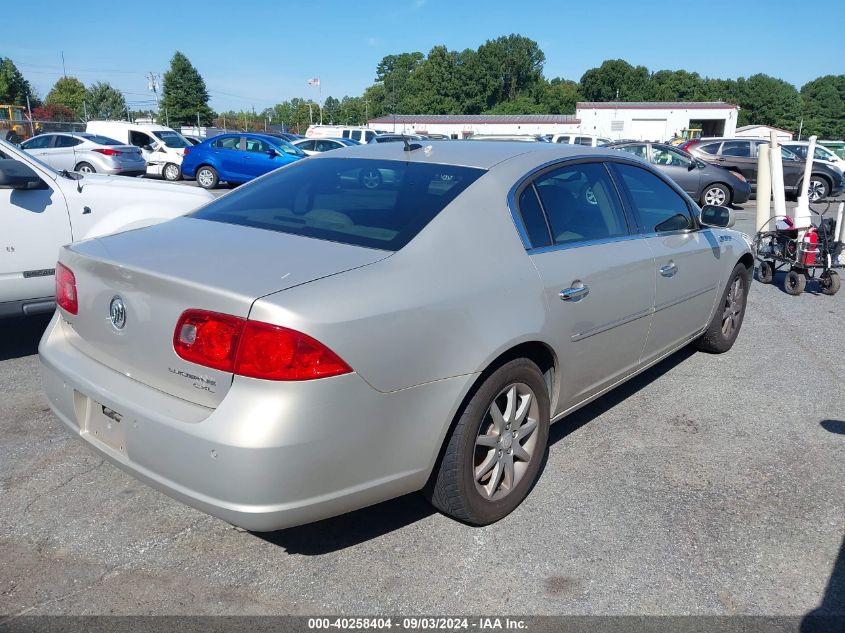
{"x":720,"y":335}
{"x":716,"y":195}
{"x":831,"y":282}
{"x":172,"y":172}
{"x":85,"y":168}
{"x":766,"y":273}
{"x":207,"y":177}
{"x":491,"y":462}
{"x":818,"y":188}
{"x":794,"y":283}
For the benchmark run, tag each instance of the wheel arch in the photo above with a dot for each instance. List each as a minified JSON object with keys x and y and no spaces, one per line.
{"x":717,"y":182}
{"x":538,"y":352}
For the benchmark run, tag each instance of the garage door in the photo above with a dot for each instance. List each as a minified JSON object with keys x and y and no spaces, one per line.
{"x":649,"y":129}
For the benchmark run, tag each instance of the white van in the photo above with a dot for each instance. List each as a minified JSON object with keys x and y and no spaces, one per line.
{"x":354,"y":132}
{"x":588,"y":140}
{"x":162,"y":147}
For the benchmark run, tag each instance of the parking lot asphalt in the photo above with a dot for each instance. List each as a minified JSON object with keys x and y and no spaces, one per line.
{"x":707,"y":485}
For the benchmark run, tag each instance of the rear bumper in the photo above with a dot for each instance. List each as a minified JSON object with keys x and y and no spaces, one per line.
{"x":27,"y":307}
{"x":272,"y":455}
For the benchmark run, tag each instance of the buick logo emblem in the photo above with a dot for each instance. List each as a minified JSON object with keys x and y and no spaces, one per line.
{"x":117,"y":313}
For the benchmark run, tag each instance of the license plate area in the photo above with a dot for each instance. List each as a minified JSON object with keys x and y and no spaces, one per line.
{"x":105,"y":425}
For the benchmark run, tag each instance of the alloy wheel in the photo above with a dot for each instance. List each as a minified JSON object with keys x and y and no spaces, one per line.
{"x":205,"y":177}
{"x":816,"y":191}
{"x":715,"y":197}
{"x":732,"y":310}
{"x":506,"y":441}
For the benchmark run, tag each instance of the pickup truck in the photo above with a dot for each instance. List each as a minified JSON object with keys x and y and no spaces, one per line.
{"x":42,"y":209}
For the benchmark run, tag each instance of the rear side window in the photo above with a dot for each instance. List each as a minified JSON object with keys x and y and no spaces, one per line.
{"x":736,"y":148}
{"x":584,"y":140}
{"x":228,"y":142}
{"x":67,"y":141}
{"x":637,"y":150}
{"x":533,"y":219}
{"x":660,"y":208}
{"x":581,"y":204}
{"x":380,"y":204}
{"x":710,"y":148}
{"x":102,"y":140}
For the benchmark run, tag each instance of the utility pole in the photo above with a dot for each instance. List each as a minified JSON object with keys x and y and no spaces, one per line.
{"x":366,"y":111}
{"x":154,"y":86}
{"x":85,"y":110}
{"x":64,"y":71}
{"x":198,"y":125}
{"x":31,"y":122}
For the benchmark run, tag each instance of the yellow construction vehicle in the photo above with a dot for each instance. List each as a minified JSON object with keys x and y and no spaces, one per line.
{"x":13,"y":124}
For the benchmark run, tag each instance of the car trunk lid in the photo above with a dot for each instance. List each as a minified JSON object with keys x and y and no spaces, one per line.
{"x":161,"y":271}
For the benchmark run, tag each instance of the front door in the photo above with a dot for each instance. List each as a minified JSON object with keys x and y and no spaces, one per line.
{"x":686,"y":259}
{"x":257,"y":158}
{"x":34,"y":223}
{"x":678,"y":167}
{"x":598,"y":278}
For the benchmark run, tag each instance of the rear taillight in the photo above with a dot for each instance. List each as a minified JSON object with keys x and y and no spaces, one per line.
{"x":185,"y":151}
{"x":253,"y":348}
{"x":66,"y":289}
{"x":107,"y":151}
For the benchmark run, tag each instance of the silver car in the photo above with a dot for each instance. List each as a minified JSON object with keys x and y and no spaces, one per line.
{"x":306,"y":345}
{"x":86,"y":153}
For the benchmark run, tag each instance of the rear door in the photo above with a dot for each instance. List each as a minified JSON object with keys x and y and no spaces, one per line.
{"x":40,"y":147}
{"x":737,"y":155}
{"x":598,"y":277}
{"x":678,"y":167}
{"x":64,"y":154}
{"x":232,"y":159}
{"x":686,"y":258}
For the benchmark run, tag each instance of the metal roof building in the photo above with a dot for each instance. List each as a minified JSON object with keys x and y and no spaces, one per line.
{"x":465,"y":125}
{"x":656,"y":120}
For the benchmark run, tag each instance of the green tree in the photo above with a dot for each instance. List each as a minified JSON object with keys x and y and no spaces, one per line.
{"x":676,"y":85}
{"x":514,"y":63}
{"x":765,"y":100}
{"x":331,"y":110}
{"x":184,"y":94}
{"x":615,"y":80}
{"x":823,"y":101}
{"x":69,"y":92}
{"x":523,"y":104}
{"x":433,"y":85}
{"x":105,"y":102}
{"x":13,"y":87}
{"x":559,"y":96}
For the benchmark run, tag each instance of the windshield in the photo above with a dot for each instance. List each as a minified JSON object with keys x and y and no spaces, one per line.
{"x":289,"y":148}
{"x":172,"y":139}
{"x":380,"y":204}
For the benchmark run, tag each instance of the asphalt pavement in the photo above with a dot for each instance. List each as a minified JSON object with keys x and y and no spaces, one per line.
{"x":707,"y":485}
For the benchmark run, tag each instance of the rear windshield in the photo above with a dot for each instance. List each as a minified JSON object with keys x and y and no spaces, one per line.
{"x":380,"y":204}
{"x":101,"y":140}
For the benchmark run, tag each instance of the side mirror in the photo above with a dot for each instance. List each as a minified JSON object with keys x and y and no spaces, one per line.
{"x":17,"y":175}
{"x":692,"y":165}
{"x":719,"y":217}
{"x":272,"y":153}
{"x":147,"y":147}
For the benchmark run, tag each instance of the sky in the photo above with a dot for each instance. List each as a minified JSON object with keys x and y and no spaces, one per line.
{"x":258,"y":53}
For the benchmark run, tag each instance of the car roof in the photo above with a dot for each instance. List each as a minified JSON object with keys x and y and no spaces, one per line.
{"x":468,"y":154}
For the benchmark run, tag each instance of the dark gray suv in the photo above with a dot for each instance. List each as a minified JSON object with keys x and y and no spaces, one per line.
{"x":740,"y":155}
{"x":706,"y":183}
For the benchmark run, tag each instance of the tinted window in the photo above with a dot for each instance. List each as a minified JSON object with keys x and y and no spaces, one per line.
{"x":533,"y":219}
{"x":140,"y":139}
{"x":563,"y":139}
{"x":256,"y":145}
{"x":659,"y":206}
{"x":736,"y":148}
{"x":67,"y":141}
{"x":668,"y":156}
{"x":710,"y":148}
{"x":636,"y":150}
{"x":101,"y":140}
{"x":39,"y":142}
{"x":375,"y":203}
{"x":356,"y":134}
{"x":309,"y":145}
{"x":584,"y":140}
{"x":581,"y":203}
{"x":325,"y":146}
{"x":228,"y":142}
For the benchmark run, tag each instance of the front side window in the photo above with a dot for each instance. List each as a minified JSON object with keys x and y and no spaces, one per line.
{"x":581,"y":204}
{"x":584,"y":140}
{"x":736,"y":148}
{"x":172,"y":139}
{"x":257,"y":145}
{"x":307,"y":145}
{"x":660,"y":208}
{"x":39,"y":142}
{"x":139,"y":139}
{"x":822,"y":153}
{"x":373,"y":203}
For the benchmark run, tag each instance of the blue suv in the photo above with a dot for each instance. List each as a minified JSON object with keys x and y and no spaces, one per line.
{"x":237,"y":158}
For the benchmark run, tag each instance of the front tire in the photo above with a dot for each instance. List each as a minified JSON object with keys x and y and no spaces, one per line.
{"x":818,"y":189}
{"x":494,"y":454}
{"x":716,"y":195}
{"x":85,"y":168}
{"x":172,"y":172}
{"x":207,"y":177}
{"x":830,"y":282}
{"x":794,"y":283}
{"x":721,"y":334}
{"x":766,"y":274}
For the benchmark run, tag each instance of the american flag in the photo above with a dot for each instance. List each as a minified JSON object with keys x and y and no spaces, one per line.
{"x":314,"y":82}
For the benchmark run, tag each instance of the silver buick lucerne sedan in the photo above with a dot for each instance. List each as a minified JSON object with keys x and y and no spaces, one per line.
{"x":308,"y":345}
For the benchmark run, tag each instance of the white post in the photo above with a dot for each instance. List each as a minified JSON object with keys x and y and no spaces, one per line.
{"x":764,"y":188}
{"x":777,"y":177}
{"x":803,"y":216}
{"x":840,"y":229}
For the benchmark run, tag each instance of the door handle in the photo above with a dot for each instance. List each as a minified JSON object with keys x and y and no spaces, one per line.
{"x":669,"y":269}
{"x":575,"y":293}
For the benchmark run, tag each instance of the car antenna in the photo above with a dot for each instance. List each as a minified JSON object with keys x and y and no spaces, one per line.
{"x":409,"y":147}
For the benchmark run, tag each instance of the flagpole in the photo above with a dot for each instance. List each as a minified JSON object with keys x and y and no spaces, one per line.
{"x":320,"y":97}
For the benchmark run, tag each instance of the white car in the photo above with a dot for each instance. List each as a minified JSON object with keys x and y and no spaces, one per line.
{"x":42,"y":209}
{"x":313,"y":146}
{"x":587,"y":140}
{"x":821,"y":153}
{"x":162,"y":147}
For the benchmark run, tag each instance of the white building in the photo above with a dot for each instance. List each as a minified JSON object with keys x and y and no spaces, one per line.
{"x":465,"y":125}
{"x":762,"y":131}
{"x":656,"y":121}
